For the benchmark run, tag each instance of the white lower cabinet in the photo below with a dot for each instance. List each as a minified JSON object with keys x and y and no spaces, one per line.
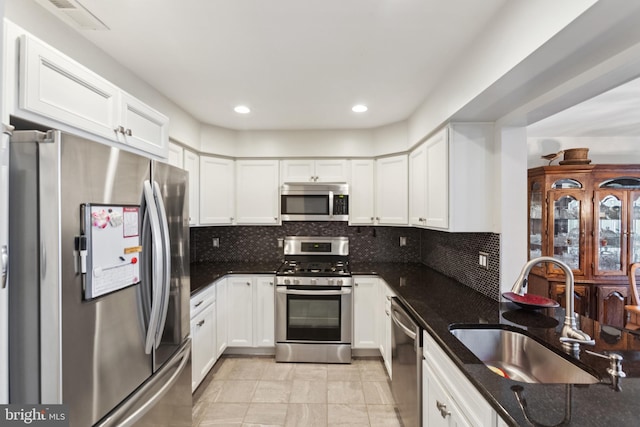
{"x":251,"y":308}
{"x":448,"y":398}
{"x":221,"y":316}
{"x":366,"y":315}
{"x":386,"y":326}
{"x":203,"y":335}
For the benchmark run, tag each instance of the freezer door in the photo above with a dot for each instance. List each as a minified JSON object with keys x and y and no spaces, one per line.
{"x":171,"y":190}
{"x":91,"y":351}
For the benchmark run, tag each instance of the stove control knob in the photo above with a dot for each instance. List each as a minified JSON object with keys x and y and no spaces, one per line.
{"x":330,"y":282}
{"x":314,"y":281}
{"x":296,"y":281}
{"x":340,"y":282}
{"x":287,"y":281}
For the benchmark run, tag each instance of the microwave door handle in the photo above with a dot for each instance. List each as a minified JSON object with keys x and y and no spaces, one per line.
{"x":330,"y":204}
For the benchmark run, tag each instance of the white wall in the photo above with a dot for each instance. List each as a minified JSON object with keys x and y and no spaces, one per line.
{"x":304,"y":143}
{"x":42,"y":24}
{"x":614,"y":150}
{"x":510,"y":40}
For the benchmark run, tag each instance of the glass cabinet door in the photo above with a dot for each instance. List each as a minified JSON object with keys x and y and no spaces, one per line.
{"x":568,"y":232}
{"x":634,"y":227}
{"x":608,"y":233}
{"x":536,"y":225}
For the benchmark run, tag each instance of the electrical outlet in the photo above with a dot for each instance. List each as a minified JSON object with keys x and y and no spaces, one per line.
{"x":403,"y":241}
{"x":215,"y":242}
{"x":483,"y":260}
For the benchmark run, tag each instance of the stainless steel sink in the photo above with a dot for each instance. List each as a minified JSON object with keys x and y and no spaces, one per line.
{"x":519,"y":357}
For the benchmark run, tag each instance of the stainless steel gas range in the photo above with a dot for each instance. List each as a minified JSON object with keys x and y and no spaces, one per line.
{"x":313,"y":301}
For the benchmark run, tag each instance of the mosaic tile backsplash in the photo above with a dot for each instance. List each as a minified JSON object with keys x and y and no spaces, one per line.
{"x":453,"y":254}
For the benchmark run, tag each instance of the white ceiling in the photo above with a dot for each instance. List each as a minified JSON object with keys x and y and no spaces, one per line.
{"x":615,"y":113}
{"x":298,"y":64}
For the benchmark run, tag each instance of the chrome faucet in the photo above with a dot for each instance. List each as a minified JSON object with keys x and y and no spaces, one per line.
{"x":571,"y":337}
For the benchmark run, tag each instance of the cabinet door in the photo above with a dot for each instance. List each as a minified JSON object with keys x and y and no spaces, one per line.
{"x":567,"y":213}
{"x":392,"y":190}
{"x":240,"y":313}
{"x":438,"y":408}
{"x":611,"y":301}
{"x":581,"y":298}
{"x":221,"y":316}
{"x":366,"y":315}
{"x":143,"y":127}
{"x":54,"y":86}
{"x":418,"y":186}
{"x":192,"y":165}
{"x":257,"y":192}
{"x":264,"y":302}
{"x":437,"y":175}
{"x":361,"y":192}
{"x":203,"y":333}
{"x":175,"y":155}
{"x":216,"y":191}
{"x":297,"y":170}
{"x":331,"y":170}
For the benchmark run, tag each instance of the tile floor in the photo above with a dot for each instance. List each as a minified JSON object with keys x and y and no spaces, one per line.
{"x":257,"y":391}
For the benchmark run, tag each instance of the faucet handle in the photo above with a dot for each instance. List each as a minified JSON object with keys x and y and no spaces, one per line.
{"x":577,"y":341}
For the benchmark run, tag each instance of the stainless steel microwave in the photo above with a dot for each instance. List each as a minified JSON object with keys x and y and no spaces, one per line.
{"x":314,"y":202}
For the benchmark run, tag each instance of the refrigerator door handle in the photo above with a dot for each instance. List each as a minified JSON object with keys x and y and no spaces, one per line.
{"x":156,"y":265}
{"x":127,"y":413}
{"x":4,"y":259}
{"x":165,"y":284}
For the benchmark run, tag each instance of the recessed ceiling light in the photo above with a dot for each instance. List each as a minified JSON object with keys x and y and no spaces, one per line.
{"x":242,"y":109}
{"x":359,"y":108}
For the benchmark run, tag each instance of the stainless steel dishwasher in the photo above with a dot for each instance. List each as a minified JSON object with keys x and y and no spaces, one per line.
{"x":406,"y":365}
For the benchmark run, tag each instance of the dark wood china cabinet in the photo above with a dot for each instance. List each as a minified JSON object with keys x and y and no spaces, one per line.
{"x":589,"y":217}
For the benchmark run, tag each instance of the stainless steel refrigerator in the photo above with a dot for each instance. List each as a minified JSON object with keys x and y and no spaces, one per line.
{"x":98,"y":282}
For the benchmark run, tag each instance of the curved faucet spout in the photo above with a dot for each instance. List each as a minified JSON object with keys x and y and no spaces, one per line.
{"x":571,"y":336}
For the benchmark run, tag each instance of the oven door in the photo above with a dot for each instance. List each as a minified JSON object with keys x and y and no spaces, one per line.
{"x":313,"y":314}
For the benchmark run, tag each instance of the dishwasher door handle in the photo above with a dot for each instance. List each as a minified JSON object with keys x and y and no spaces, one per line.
{"x":404,"y":328}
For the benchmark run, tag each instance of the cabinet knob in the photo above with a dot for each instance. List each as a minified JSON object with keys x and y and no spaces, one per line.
{"x":356,"y":284}
{"x":231,"y":218}
{"x":200,"y":323}
{"x":248,"y":283}
{"x":270,"y":283}
{"x":198,"y":304}
{"x":119,"y":129}
{"x":443,"y":409}
{"x":372,"y":218}
{"x":275,"y":218}
{"x":127,"y":132}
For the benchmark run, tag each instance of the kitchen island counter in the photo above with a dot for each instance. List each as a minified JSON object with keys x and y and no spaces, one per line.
{"x":437,"y":301}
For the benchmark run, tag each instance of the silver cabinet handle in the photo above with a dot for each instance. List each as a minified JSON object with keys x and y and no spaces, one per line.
{"x":443,"y":409}
{"x":198,"y":304}
{"x":200,"y":323}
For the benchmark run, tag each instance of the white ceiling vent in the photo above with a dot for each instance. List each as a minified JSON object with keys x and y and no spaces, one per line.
{"x":74,"y":13}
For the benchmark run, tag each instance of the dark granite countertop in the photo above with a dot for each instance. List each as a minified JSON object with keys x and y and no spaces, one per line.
{"x":438,"y":301}
{"x":204,"y":273}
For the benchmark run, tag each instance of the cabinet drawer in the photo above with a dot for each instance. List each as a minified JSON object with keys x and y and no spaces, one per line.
{"x":202,"y":299}
{"x":466,"y":396}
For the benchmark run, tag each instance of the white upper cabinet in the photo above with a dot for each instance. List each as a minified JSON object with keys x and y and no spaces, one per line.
{"x":392,"y":190}
{"x":217,"y":191}
{"x":418,"y":186}
{"x":459,"y":184}
{"x":142,"y":127}
{"x":437,"y":181}
{"x":309,"y":170}
{"x":175,"y":155}
{"x":54,"y":86}
{"x":362,"y":192}
{"x":191,"y":163}
{"x":257,"y":192}
{"x":57,"y":91}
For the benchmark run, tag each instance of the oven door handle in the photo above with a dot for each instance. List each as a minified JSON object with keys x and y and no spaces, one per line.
{"x":345,"y":291}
